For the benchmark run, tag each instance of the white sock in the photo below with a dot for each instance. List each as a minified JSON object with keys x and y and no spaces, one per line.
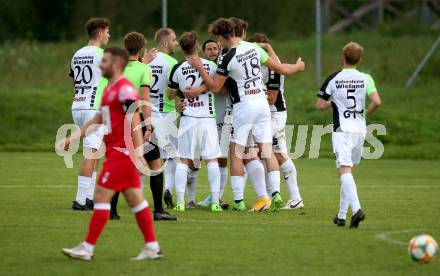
{"x":350,"y":191}
{"x":83,"y":189}
{"x":152,"y":246}
{"x":223,"y":180}
{"x":343,"y":204}
{"x":88,"y":247}
{"x":193,"y":177}
{"x":289,"y":172}
{"x":214,"y":181}
{"x":91,"y":190}
{"x":169,"y":178}
{"x":237,"y":184}
{"x":255,"y":171}
{"x":274,"y":181}
{"x":181,"y":178}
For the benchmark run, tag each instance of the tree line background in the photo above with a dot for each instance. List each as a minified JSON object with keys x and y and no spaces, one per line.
{"x":55,"y":20}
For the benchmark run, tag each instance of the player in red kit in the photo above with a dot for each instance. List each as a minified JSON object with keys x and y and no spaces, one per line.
{"x":119,"y":173}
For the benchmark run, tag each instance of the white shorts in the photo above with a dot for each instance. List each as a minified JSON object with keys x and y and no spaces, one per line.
{"x":278,"y":125}
{"x":251,"y":117}
{"x":198,"y":138}
{"x":81,"y":117}
{"x":165,"y":133}
{"x":347,"y":147}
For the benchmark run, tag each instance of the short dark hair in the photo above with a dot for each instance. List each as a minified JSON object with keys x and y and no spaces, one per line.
{"x":352,"y":53}
{"x":118,"y":52}
{"x":258,"y":38}
{"x":208,"y":41}
{"x":223,"y":27}
{"x":95,"y":25}
{"x":134,"y":42}
{"x":187,"y":42}
{"x":240,"y":26}
{"x":162,"y":34}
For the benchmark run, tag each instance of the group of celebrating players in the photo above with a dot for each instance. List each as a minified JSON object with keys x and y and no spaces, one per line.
{"x":232,"y":107}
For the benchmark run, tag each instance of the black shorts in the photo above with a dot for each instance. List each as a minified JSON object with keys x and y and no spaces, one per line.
{"x":153,"y":150}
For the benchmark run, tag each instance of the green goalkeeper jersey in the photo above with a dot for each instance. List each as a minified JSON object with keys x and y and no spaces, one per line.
{"x":139,"y":74}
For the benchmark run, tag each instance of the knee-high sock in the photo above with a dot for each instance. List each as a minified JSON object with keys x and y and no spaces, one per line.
{"x":289,"y":171}
{"x":101,"y":214}
{"x":343,"y":204}
{"x":83,"y":189}
{"x":274,"y":181}
{"x":214,"y":181}
{"x":156,"y":186}
{"x":223,"y":180}
{"x":193,"y":177}
{"x":144,"y":220}
{"x":91,"y":189}
{"x":114,"y":204}
{"x":181,"y":179}
{"x":350,"y":191}
{"x":169,"y":173}
{"x":255,"y":171}
{"x":237,"y":184}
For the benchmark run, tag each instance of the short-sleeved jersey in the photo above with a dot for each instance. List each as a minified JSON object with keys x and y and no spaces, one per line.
{"x":274,"y":81}
{"x":347,"y":90}
{"x":161,"y":68}
{"x":86,"y":74}
{"x":242,"y":64}
{"x":113,"y":110}
{"x":185,"y":75}
{"x":139,"y":74}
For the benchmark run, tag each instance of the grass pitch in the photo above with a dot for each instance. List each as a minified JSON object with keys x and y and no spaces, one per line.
{"x":400,"y":198}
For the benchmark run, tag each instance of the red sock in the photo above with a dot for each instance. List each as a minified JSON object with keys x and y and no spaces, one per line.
{"x":101,"y":214}
{"x":144,"y":219}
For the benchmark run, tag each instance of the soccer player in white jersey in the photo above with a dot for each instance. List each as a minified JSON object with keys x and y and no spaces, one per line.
{"x":197,"y":130}
{"x":346,"y":91}
{"x":275,"y":92}
{"x":163,"y":108}
{"x":88,"y":84}
{"x":251,"y":113}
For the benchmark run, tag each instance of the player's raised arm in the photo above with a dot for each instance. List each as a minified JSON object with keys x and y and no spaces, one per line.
{"x":215,"y":83}
{"x":285,"y":68}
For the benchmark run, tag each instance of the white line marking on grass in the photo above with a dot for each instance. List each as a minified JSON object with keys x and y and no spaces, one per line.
{"x":385,"y":236}
{"x":35,"y":186}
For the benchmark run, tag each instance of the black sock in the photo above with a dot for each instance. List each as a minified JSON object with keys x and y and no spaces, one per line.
{"x":156,"y":185}
{"x":114,"y":204}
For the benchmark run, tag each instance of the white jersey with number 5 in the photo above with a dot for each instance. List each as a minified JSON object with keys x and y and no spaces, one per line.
{"x":86,"y":74}
{"x":347,"y":90}
{"x":183,"y":76}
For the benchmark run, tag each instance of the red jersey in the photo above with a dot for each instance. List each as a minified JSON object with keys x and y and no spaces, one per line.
{"x":118,"y":171}
{"x":113,"y":113}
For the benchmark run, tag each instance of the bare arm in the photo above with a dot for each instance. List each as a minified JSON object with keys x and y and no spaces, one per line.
{"x":268,"y":48}
{"x":146,"y":111}
{"x":375,"y":103}
{"x":322,"y":104}
{"x":88,"y":127}
{"x":285,"y":68}
{"x":214,"y":84}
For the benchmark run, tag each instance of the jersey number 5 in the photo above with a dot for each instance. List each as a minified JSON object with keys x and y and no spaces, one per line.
{"x":351,"y":97}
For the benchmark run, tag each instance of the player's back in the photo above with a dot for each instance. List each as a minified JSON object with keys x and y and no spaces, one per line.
{"x":161,"y":67}
{"x":113,"y":113}
{"x":138,"y":73}
{"x":242,"y":64}
{"x":347,"y":90}
{"x":184,"y":75}
{"x":87,"y":77}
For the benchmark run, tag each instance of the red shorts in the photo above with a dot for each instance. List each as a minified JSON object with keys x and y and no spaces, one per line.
{"x":118,"y":175}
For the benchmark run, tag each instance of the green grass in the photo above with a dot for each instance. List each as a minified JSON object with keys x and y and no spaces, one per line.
{"x":36,"y":91}
{"x":397,"y":195}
